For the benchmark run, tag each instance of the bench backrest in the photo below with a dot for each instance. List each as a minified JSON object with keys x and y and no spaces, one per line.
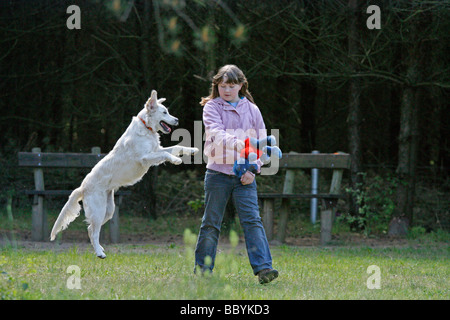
{"x":293,"y":161}
{"x":38,"y":160}
{"x":334,"y":161}
{"x":315,"y":161}
{"x":58,"y":160}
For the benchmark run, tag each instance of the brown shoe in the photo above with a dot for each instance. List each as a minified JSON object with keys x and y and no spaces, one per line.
{"x":267,"y":275}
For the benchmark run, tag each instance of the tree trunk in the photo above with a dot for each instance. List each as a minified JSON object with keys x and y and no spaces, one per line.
{"x":408,"y":138}
{"x":407,"y":154}
{"x":151,"y":178}
{"x":308,"y":116}
{"x":354,"y":114}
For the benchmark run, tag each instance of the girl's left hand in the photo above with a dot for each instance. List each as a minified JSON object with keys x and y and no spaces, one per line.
{"x":247,"y":178}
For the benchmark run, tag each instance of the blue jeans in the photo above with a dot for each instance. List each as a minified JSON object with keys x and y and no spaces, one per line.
{"x":219,"y":188}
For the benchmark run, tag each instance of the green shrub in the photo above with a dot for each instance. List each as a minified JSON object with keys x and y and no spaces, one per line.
{"x":376,"y":199}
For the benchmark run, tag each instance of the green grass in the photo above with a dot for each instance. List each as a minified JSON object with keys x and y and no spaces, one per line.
{"x":166,"y":272}
{"x":417,"y":270}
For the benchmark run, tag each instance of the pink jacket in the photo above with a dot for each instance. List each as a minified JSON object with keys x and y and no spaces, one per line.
{"x":224,"y":124}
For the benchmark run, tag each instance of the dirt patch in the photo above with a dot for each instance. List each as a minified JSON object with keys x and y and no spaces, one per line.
{"x":349,"y":240}
{"x":80,"y":239}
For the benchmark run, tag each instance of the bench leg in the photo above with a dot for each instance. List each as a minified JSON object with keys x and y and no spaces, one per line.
{"x":39,"y":225}
{"x":329,"y":208}
{"x":327,"y":213}
{"x":114,"y":223}
{"x":268,"y":205}
{"x":38,"y":219}
{"x":325,"y":226}
{"x":284,"y":214}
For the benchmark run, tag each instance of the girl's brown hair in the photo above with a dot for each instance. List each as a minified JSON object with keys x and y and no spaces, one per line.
{"x":228,"y":74}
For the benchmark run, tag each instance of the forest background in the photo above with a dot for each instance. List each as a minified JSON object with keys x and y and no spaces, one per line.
{"x":318,"y":71}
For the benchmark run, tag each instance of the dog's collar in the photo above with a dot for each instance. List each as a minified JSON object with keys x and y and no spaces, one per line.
{"x":149,"y":128}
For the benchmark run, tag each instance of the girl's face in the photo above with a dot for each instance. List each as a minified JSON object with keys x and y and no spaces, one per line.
{"x":229,"y":91}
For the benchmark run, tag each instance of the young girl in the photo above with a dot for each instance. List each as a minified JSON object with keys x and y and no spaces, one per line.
{"x":230,"y":116}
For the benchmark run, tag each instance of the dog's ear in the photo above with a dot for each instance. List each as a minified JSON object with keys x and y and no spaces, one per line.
{"x":152,"y":102}
{"x":161,"y":100}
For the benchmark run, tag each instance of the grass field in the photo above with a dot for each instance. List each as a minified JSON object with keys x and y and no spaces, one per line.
{"x":417,"y":268}
{"x":166,"y":272}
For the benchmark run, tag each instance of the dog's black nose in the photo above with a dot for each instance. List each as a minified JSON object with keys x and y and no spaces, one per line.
{"x":176,"y":122}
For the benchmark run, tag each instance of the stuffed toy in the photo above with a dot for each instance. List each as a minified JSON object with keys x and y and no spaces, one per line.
{"x":255,"y":149}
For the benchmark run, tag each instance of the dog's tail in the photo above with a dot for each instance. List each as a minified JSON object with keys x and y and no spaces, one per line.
{"x":69,"y":212}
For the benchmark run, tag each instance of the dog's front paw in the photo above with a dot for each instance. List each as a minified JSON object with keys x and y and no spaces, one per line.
{"x":176,"y":160}
{"x":189,"y":151}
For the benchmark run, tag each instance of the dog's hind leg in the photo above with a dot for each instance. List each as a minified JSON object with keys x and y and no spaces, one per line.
{"x":94,"y":234}
{"x":95,"y":210}
{"x":110,"y":206}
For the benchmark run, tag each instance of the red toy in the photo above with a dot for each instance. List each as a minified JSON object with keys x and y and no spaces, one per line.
{"x":249,"y":149}
{"x":256,"y":149}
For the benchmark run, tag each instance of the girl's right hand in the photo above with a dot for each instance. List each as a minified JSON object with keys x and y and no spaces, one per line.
{"x":239,"y":145}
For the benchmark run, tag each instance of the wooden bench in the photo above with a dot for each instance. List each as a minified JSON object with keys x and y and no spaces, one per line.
{"x":295,"y":161}
{"x":39,"y":160}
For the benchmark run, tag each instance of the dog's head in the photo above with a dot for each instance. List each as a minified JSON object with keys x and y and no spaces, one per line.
{"x":158,"y":116}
